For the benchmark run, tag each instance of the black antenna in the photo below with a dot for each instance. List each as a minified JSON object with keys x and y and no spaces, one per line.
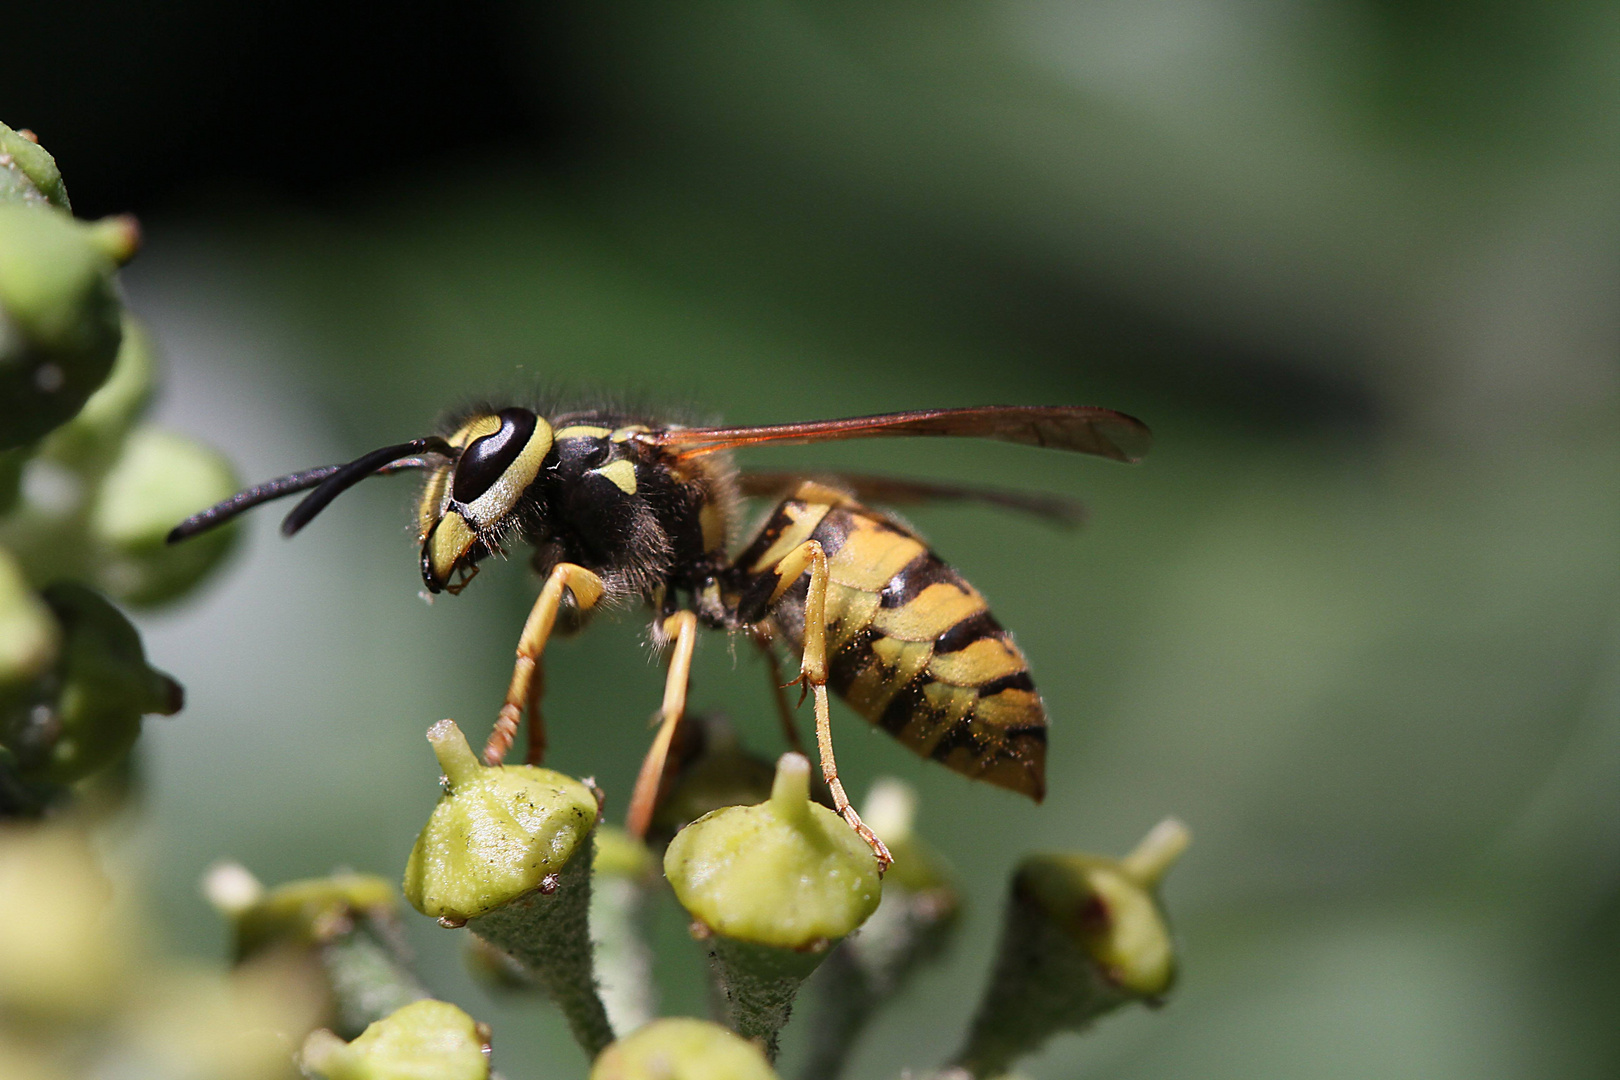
{"x":283,"y":486}
{"x":345,"y":477}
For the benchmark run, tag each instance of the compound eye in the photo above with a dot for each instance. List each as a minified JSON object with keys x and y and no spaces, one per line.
{"x":486,"y":459}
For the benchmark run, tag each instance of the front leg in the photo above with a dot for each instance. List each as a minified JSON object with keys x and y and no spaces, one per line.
{"x":586,"y":588}
{"x":813,"y":675}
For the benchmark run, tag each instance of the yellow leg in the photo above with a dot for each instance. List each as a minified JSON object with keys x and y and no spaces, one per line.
{"x":681,"y":628}
{"x":813,"y":676}
{"x":587,"y":590}
{"x":536,"y":751}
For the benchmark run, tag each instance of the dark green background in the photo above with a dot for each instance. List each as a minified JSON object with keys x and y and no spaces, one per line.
{"x":1355,"y":620}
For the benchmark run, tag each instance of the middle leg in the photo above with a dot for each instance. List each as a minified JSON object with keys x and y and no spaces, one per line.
{"x":682,"y":628}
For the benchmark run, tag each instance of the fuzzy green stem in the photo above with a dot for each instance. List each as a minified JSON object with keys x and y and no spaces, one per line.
{"x":623,"y":960}
{"x":547,"y":931}
{"x":759,"y":983}
{"x":912,"y":924}
{"x":1083,"y":935}
{"x":1041,"y":984}
{"x":368,"y":981}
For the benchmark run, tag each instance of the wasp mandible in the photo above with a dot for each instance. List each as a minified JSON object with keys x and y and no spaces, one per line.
{"x":618,"y":507}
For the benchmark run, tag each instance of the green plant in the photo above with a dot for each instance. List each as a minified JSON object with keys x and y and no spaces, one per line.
{"x":776,"y":886}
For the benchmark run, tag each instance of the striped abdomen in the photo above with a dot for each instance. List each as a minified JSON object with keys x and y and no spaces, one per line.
{"x":912,"y":646}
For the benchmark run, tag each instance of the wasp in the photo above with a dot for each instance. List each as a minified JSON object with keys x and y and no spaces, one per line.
{"x":618,"y":507}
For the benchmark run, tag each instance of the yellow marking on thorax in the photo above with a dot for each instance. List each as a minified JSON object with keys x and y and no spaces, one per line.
{"x":622,"y":473}
{"x":871,"y":556}
{"x":985,"y":660}
{"x":804,"y":520}
{"x":930,"y":613}
{"x":712,"y":520}
{"x":583,"y":431}
{"x":623,"y":434}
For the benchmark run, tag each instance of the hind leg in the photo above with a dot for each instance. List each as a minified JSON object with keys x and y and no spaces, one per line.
{"x":813,"y":676}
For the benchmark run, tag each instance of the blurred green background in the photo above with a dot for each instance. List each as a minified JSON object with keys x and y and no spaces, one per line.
{"x":1356,"y":619}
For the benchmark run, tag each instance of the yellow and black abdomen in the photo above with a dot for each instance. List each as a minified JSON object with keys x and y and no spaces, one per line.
{"x":912,"y":646}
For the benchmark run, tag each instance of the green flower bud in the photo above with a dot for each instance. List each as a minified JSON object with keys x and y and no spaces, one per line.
{"x":772,"y":886}
{"x":425,"y":1040}
{"x":29,"y":636}
{"x":348,"y":922}
{"x":681,"y":1048}
{"x":86,"y":712}
{"x":1083,"y":936}
{"x":911,"y":926}
{"x":201,"y":1024}
{"x":64,"y":948}
{"x":620,"y":906}
{"x":28,"y":173}
{"x":508,"y":852}
{"x":60,"y":320}
{"x":92,"y":440}
{"x":11,"y":471}
{"x":158,"y":480}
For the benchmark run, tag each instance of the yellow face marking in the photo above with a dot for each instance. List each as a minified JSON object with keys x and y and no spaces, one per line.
{"x":622,"y":473}
{"x":623,"y":434}
{"x":983,"y":661}
{"x":930,"y":613}
{"x":489,"y":508}
{"x":476,"y":428}
{"x":431,"y":504}
{"x":450,"y":540}
{"x":804,"y":520}
{"x":871,"y":556}
{"x":583,"y":431}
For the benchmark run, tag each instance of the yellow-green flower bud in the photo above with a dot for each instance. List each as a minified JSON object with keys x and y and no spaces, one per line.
{"x":773,"y":886}
{"x":507,"y":852}
{"x":160,"y":478}
{"x":28,"y":173}
{"x":1083,"y":936}
{"x":29,"y":636}
{"x":425,"y":1040}
{"x":497,"y":834}
{"x":60,"y":320}
{"x":64,"y":949}
{"x":86,"y":712}
{"x":681,"y":1048}
{"x":348,"y":922}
